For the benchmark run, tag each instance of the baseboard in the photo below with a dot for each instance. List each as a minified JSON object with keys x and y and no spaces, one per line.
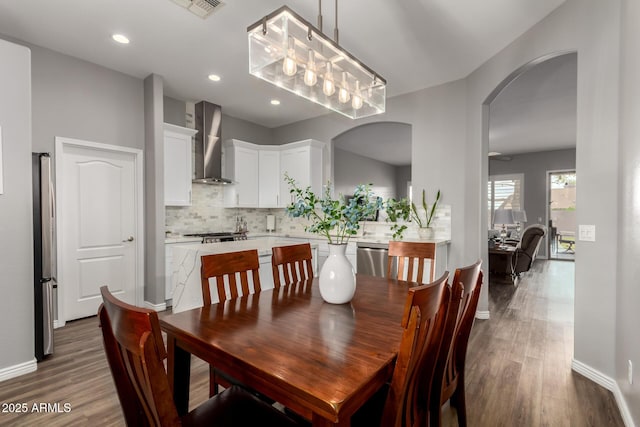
{"x":17,"y":370}
{"x":622,"y":405}
{"x":482,"y":314}
{"x":594,"y":375}
{"x":608,"y":383}
{"x":156,"y":307}
{"x":58,"y":323}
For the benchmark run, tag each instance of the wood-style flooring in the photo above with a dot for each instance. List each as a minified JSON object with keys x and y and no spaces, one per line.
{"x":518,"y":367}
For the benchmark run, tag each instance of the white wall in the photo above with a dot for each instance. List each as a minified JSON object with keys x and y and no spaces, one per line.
{"x":16,"y":227}
{"x":628,"y":296}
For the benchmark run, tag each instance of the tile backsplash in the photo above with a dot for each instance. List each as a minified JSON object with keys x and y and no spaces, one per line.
{"x":208,"y":214}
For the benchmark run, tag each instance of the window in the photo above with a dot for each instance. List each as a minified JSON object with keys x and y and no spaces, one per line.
{"x":505,"y":192}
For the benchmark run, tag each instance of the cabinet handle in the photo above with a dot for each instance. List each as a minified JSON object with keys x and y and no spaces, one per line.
{"x":237,"y":199}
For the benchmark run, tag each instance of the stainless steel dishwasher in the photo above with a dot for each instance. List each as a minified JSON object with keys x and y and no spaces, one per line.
{"x":372,"y":258}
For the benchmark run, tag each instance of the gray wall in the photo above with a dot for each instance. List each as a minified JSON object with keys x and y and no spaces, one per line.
{"x":232,"y":128}
{"x":350,"y":170}
{"x":628,"y":291}
{"x":154,"y":272}
{"x":437,"y":117}
{"x":403,"y":176}
{"x":174,"y":111}
{"x":16,"y":228}
{"x":590,"y":28}
{"x":534,"y":166}
{"x":77,"y":99}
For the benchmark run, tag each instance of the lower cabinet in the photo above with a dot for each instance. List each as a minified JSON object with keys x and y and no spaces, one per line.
{"x":265,"y":272}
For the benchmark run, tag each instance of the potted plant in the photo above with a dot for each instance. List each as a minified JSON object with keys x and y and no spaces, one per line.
{"x":337,"y":220}
{"x":402,"y":210}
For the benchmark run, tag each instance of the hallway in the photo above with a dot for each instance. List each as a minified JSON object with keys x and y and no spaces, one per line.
{"x":519,"y":362}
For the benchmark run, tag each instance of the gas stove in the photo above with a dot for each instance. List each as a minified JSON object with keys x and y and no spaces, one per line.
{"x":221,"y":236}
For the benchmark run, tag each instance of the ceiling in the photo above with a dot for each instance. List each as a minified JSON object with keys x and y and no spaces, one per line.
{"x":413,"y":43}
{"x":537,"y":111}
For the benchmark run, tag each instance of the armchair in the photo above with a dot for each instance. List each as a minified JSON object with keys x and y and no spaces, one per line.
{"x":527,"y":249}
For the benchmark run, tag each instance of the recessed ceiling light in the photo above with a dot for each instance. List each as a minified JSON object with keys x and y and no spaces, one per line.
{"x":275,"y":102}
{"x":214,"y":77}
{"x":494,"y":153}
{"x":120,"y":38}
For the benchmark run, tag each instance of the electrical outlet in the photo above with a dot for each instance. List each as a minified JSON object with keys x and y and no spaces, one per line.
{"x":630,"y":372}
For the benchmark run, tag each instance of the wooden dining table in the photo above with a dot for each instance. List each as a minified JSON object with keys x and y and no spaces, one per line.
{"x":321,"y":360}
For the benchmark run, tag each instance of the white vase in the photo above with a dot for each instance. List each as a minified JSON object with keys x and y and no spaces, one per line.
{"x":337,"y":278}
{"x":425,"y":233}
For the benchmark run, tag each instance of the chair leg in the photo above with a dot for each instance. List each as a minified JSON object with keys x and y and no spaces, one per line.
{"x":460,"y":404}
{"x":213,"y":382}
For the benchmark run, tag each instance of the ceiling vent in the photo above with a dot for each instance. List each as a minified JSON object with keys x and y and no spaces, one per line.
{"x":202,"y":8}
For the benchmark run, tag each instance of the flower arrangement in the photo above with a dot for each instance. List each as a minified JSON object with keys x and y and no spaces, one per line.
{"x":407,"y":212}
{"x":335,"y":219}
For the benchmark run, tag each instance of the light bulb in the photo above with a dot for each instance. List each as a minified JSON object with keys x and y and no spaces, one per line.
{"x":343,"y":95}
{"x":328,"y":86}
{"x":289,"y":66}
{"x":310,"y":75}
{"x":356,"y":102}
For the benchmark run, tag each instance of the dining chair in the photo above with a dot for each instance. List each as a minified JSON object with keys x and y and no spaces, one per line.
{"x":414,"y":255}
{"x":406,"y":398}
{"x":135,"y":352}
{"x":224,"y":267}
{"x":452,"y":357}
{"x":292,"y":263}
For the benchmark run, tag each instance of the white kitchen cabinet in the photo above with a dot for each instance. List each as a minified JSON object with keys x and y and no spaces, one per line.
{"x":269,"y":177}
{"x":266,"y":273}
{"x":241,"y":162}
{"x":177,"y":165}
{"x":303,"y":161}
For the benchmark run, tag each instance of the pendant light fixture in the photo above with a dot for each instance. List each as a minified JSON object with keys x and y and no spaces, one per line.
{"x":289,"y":52}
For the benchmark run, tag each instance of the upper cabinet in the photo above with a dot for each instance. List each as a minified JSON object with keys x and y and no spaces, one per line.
{"x":177,"y":165}
{"x":258,"y":171}
{"x":241,"y":165}
{"x":303,"y":161}
{"x":269,"y":177}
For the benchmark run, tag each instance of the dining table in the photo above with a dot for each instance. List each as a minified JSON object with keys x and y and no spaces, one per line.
{"x":320,"y":360}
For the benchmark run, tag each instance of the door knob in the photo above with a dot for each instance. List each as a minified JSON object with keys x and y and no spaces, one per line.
{"x":130,"y":239}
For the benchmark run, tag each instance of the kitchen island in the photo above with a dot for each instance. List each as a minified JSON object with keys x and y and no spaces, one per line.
{"x":185,"y":274}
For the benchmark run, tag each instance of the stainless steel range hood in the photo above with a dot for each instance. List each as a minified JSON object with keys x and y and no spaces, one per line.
{"x":208,"y":146}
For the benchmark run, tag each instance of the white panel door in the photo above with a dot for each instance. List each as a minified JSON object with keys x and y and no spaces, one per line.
{"x":98,"y":209}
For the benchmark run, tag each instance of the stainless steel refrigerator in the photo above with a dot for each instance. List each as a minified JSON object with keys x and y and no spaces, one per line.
{"x":44,"y":281}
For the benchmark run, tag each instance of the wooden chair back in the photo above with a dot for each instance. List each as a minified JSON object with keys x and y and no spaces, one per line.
{"x":423,"y":322}
{"x":135,"y":352}
{"x":414,"y":255}
{"x":228,"y":265}
{"x":295,"y":263}
{"x":452,"y":358}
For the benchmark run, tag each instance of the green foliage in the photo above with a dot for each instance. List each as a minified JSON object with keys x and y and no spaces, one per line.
{"x":402,"y":210}
{"x":333,"y":218}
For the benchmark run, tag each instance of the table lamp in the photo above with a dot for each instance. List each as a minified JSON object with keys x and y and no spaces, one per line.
{"x":520,"y":217}
{"x":504,"y":217}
